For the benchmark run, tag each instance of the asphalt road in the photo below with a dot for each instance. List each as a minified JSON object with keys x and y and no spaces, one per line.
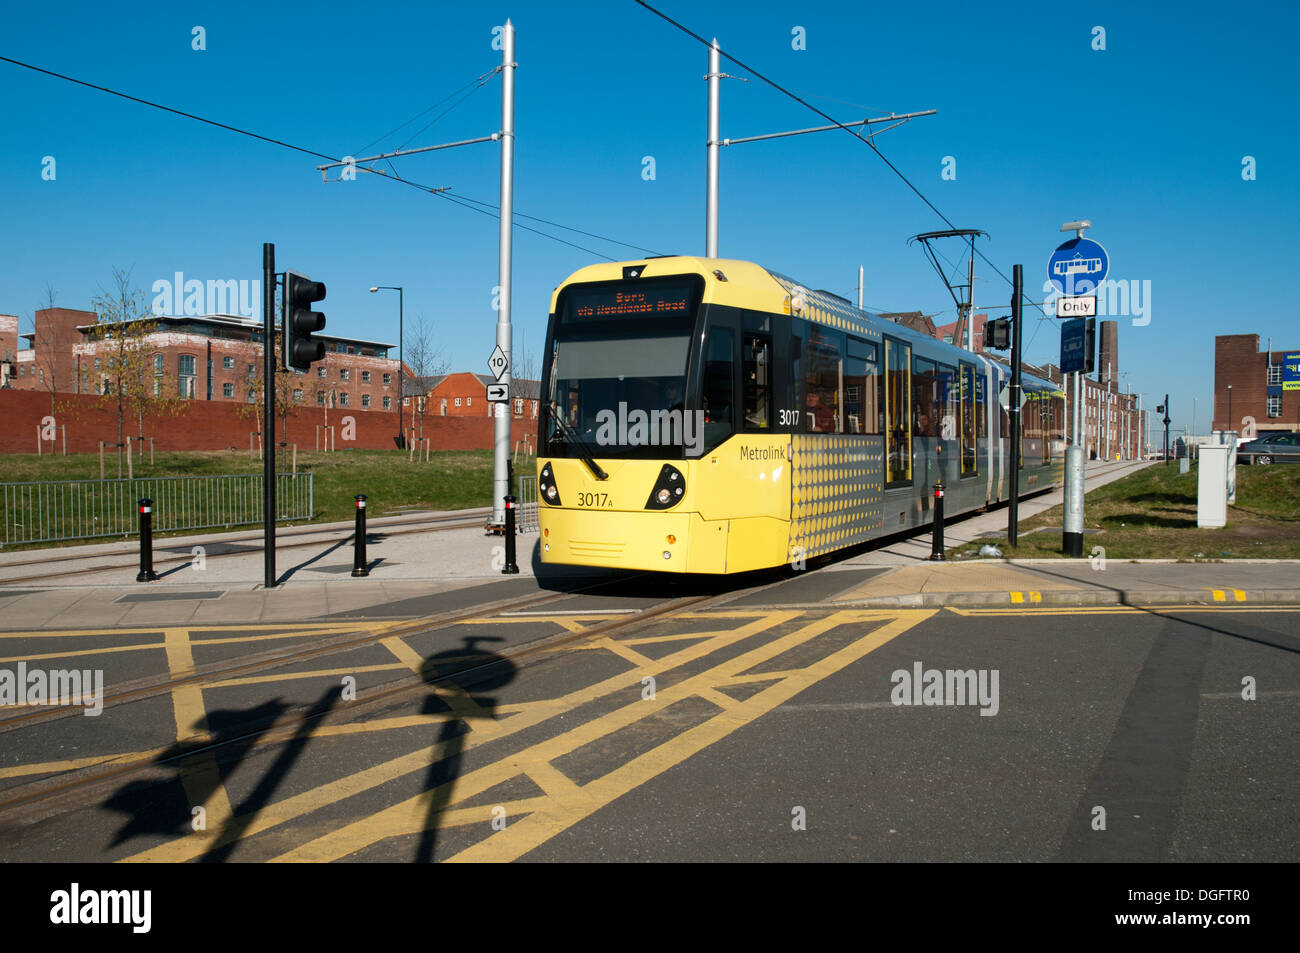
{"x":727,"y":732}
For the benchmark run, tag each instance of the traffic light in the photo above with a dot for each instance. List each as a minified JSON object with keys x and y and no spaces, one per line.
{"x":1090,"y":346}
{"x":997,"y":334}
{"x":301,"y":322}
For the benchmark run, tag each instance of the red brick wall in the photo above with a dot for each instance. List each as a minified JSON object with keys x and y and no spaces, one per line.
{"x":1239,"y":361}
{"x":216,"y":425}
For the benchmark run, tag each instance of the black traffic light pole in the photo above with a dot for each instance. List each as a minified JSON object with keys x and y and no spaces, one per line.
{"x":268,"y":413}
{"x":1017,"y":289}
{"x":1164,"y":408}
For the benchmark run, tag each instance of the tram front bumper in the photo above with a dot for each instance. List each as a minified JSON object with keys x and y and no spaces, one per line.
{"x":656,"y":542}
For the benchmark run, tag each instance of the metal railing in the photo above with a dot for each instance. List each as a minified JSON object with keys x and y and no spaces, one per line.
{"x":86,"y":509}
{"x":526,"y":513}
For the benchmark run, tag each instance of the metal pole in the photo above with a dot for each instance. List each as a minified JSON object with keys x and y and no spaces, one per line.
{"x":268,"y":414}
{"x":146,"y":573}
{"x":501,"y":430}
{"x":359,"y":538}
{"x":967,"y":331}
{"x":861,"y":275}
{"x":1017,"y":291}
{"x":936,"y":537}
{"x":711,"y":199}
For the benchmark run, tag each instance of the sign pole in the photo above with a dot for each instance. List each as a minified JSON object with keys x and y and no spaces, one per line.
{"x":501,"y":422}
{"x":268,"y":414}
{"x":1017,"y":292}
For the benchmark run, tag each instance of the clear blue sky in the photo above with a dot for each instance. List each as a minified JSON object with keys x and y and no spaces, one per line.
{"x":1145,"y":138}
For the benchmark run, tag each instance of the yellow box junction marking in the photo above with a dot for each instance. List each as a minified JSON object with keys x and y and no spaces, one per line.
{"x":566,"y":802}
{"x":481,"y":731}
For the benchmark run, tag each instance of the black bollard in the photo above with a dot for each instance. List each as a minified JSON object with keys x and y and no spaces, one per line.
{"x":146,"y":573}
{"x":359,"y":539}
{"x":511,"y":567}
{"x":936,"y":543}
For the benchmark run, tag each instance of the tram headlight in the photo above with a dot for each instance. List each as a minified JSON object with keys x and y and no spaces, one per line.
{"x":668,"y":490}
{"x":547,"y":488}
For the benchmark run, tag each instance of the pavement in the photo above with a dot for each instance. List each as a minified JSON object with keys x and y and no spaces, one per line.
{"x":418,"y":568}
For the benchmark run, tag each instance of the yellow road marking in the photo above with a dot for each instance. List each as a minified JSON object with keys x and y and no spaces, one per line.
{"x":481,"y":731}
{"x":563,"y":812}
{"x":403,"y":652}
{"x":199,"y":776}
{"x":314,"y":673}
{"x":1240,"y":596}
{"x":1118,"y":610}
{"x":1219,"y":595}
{"x":622,"y":650}
{"x":410,"y":816}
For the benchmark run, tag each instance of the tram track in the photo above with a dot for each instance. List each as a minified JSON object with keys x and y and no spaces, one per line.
{"x":34,"y":799}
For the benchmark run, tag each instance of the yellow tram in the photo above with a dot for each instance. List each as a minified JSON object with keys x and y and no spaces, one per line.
{"x":712,"y":416}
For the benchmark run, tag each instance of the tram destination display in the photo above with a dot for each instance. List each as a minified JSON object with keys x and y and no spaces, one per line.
{"x":639,"y":300}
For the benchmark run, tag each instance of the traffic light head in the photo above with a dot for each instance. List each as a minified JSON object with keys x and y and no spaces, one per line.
{"x":997,"y":334}
{"x":1090,"y":346}
{"x":301,"y":322}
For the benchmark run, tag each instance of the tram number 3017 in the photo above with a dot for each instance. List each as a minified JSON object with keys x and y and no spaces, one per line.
{"x":594,"y":499}
{"x":789,"y":418}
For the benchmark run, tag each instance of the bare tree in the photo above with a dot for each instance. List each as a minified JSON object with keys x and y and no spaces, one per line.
{"x":286,"y":383}
{"x":426,"y":359}
{"x":523,"y":364}
{"x":134,"y":382}
{"x":49,"y":361}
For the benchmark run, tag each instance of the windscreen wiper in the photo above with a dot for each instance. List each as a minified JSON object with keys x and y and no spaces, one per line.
{"x":578,"y":443}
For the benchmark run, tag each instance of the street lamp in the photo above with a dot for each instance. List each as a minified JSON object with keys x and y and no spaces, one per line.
{"x":401,"y":423}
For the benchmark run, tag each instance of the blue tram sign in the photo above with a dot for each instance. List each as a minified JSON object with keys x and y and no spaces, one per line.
{"x":1074,"y":336}
{"x":1078,"y":266}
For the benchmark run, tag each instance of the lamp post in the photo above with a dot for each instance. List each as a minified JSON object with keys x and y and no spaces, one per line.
{"x":401,"y":423}
{"x":1230,"y":426}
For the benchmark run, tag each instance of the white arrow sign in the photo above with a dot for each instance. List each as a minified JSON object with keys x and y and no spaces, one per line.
{"x":498,"y":363}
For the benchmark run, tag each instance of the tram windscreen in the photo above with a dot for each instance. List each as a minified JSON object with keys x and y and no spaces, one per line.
{"x":617,"y":370}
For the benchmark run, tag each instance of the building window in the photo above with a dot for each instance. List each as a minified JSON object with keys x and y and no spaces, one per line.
{"x":338,"y":348}
{"x":186,"y":375}
{"x":252,"y":396}
{"x":519,"y":406}
{"x":228,"y":362}
{"x":1274,"y":374}
{"x":457,"y":401}
{"x":345,"y":399}
{"x":320,"y":397}
{"x":40,"y":374}
{"x":365,"y":377}
{"x":1275,"y":406}
{"x":252,"y":372}
{"x":469,"y":401}
{"x":388,"y":379}
{"x":157,"y":364}
{"x":228,"y":390}
{"x":320,"y":371}
{"x":345,"y":374}
{"x":388,"y":403}
{"x":349,"y":348}
{"x":365,"y":400}
{"x":97,"y":364}
{"x":534,"y":408}
{"x":297,"y":395}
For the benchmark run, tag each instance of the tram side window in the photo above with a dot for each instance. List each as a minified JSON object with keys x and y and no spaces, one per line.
{"x":822,"y":401}
{"x":949,"y":409}
{"x":969,"y":459}
{"x":719,"y":385}
{"x":981,"y":406}
{"x":898,"y":412}
{"x":860,"y":373}
{"x":925,"y":399}
{"x":758,"y":381}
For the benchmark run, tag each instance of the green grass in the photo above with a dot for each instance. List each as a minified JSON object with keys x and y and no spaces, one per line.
{"x":1152,"y":515}
{"x":451,"y":480}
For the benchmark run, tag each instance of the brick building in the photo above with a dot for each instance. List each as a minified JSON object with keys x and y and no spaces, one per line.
{"x":465,"y":395}
{"x":1249,"y":382}
{"x":213,"y":357}
{"x":945,"y":332}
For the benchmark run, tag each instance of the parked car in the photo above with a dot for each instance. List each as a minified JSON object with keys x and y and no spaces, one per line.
{"x":1271,"y":448}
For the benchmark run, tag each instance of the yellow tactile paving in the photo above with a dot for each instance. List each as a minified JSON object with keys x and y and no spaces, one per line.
{"x":948,"y":577}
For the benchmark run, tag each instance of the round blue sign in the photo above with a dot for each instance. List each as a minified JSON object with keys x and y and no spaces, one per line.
{"x":1077,"y":267}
